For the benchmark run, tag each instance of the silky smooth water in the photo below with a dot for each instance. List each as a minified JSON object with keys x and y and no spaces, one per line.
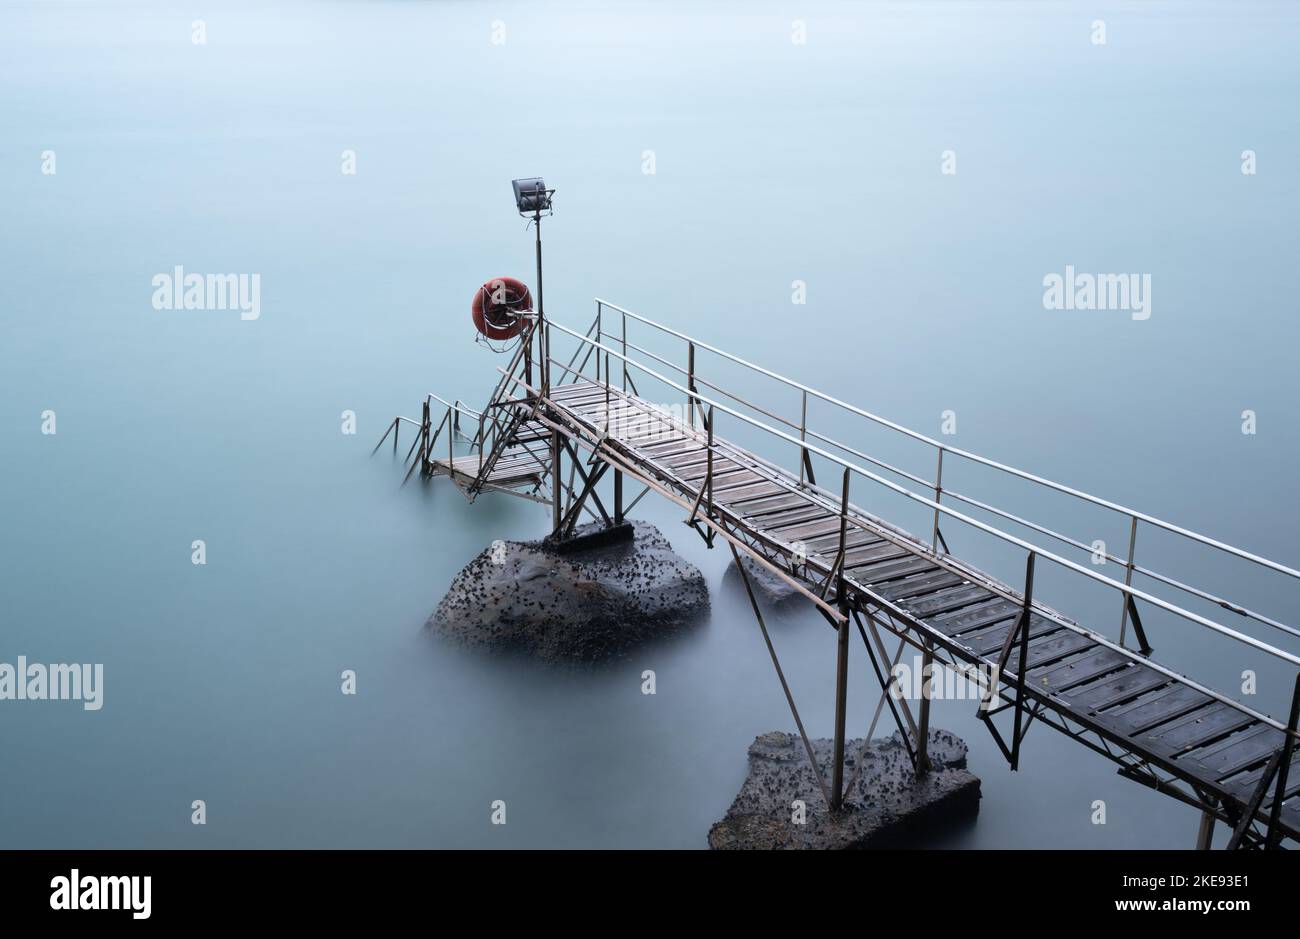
{"x":773,"y":162}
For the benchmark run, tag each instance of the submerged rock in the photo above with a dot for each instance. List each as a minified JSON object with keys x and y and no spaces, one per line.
{"x":770,"y":591}
{"x":588,"y":605}
{"x":886,"y":806}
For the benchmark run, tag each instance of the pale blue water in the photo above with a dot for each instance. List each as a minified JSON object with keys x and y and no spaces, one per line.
{"x":774,"y":162}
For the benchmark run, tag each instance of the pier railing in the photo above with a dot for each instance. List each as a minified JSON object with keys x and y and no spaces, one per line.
{"x":609,"y":340}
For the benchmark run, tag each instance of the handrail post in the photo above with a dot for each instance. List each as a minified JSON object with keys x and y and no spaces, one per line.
{"x":690,"y":383}
{"x":844,"y":535}
{"x":709,"y":476}
{"x":803,"y":437}
{"x":546,"y":360}
{"x":1128,"y":578}
{"x":624,"y":359}
{"x":599,"y":339}
{"x":938,"y":494}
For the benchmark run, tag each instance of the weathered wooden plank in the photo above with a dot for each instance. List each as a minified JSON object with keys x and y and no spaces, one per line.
{"x":758,"y":489}
{"x":944,"y":600}
{"x":723,"y":471}
{"x":885,"y":571}
{"x":924,"y":585}
{"x":735,"y":481}
{"x":1151,"y":711}
{"x":1065,"y":675}
{"x":562,"y":392}
{"x":873,"y":552}
{"x":662,"y":452}
{"x":1244,"y":784}
{"x":1249,"y":748}
{"x":688,"y":458}
{"x":758,"y":507}
{"x":806,"y":531}
{"x":807,"y":512}
{"x":1048,"y":648}
{"x":645,"y":436}
{"x":989,"y":639}
{"x":828,"y":546}
{"x":853,"y":538}
{"x":1195,"y":729}
{"x":1115,"y":689}
{"x":978,"y":617}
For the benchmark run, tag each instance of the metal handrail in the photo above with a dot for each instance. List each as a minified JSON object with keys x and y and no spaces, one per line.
{"x":1126,"y":589}
{"x":965,"y":454}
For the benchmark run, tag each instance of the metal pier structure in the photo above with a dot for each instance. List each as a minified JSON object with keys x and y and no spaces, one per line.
{"x":556,"y":425}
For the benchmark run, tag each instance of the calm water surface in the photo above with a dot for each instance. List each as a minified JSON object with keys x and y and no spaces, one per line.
{"x":774,"y":162}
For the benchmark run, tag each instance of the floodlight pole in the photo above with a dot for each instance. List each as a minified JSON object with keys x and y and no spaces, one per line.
{"x":544,"y":374}
{"x":544,"y":365}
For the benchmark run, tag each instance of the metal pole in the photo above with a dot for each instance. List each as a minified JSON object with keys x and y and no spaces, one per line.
{"x":1205,"y":836}
{"x":425,"y":455}
{"x":1288,"y":748}
{"x":624,"y":359}
{"x":709,"y":474}
{"x":841,"y":661}
{"x":841,"y":706}
{"x":1021,"y":679}
{"x":528,"y":357}
{"x":545,"y":367}
{"x":938,"y":492}
{"x":923,"y":728}
{"x":690,"y":383}
{"x":606,"y":391}
{"x":776,"y":663}
{"x":618,"y":497}
{"x":598,"y":341}
{"x":803,"y":436}
{"x":555,"y":479}
{"x":1128,"y":578}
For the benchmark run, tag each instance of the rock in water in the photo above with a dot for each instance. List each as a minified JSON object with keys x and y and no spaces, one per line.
{"x":581,"y":606}
{"x":770,"y":591}
{"x":885,"y":807}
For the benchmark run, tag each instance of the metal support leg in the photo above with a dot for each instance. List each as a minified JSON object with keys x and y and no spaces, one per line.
{"x":776,"y":663}
{"x":618,"y":497}
{"x":424,"y":436}
{"x":923,"y":728}
{"x":841,"y":704}
{"x":1205,"y":836}
{"x":555,"y":480}
{"x":1283,"y":766}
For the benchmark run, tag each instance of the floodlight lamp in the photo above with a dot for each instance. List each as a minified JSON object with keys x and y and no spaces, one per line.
{"x":531,"y":196}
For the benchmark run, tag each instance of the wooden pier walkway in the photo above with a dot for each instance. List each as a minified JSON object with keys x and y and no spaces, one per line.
{"x":1162,"y":728}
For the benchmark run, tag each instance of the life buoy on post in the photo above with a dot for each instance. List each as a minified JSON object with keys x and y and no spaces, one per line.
{"x":497,"y":305}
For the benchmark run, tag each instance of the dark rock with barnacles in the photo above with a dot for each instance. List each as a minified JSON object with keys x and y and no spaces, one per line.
{"x":586,"y":601}
{"x":886,"y":805}
{"x":771,"y":591}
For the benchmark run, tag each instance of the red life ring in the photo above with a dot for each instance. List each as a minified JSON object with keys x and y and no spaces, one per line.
{"x":497,"y":305}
